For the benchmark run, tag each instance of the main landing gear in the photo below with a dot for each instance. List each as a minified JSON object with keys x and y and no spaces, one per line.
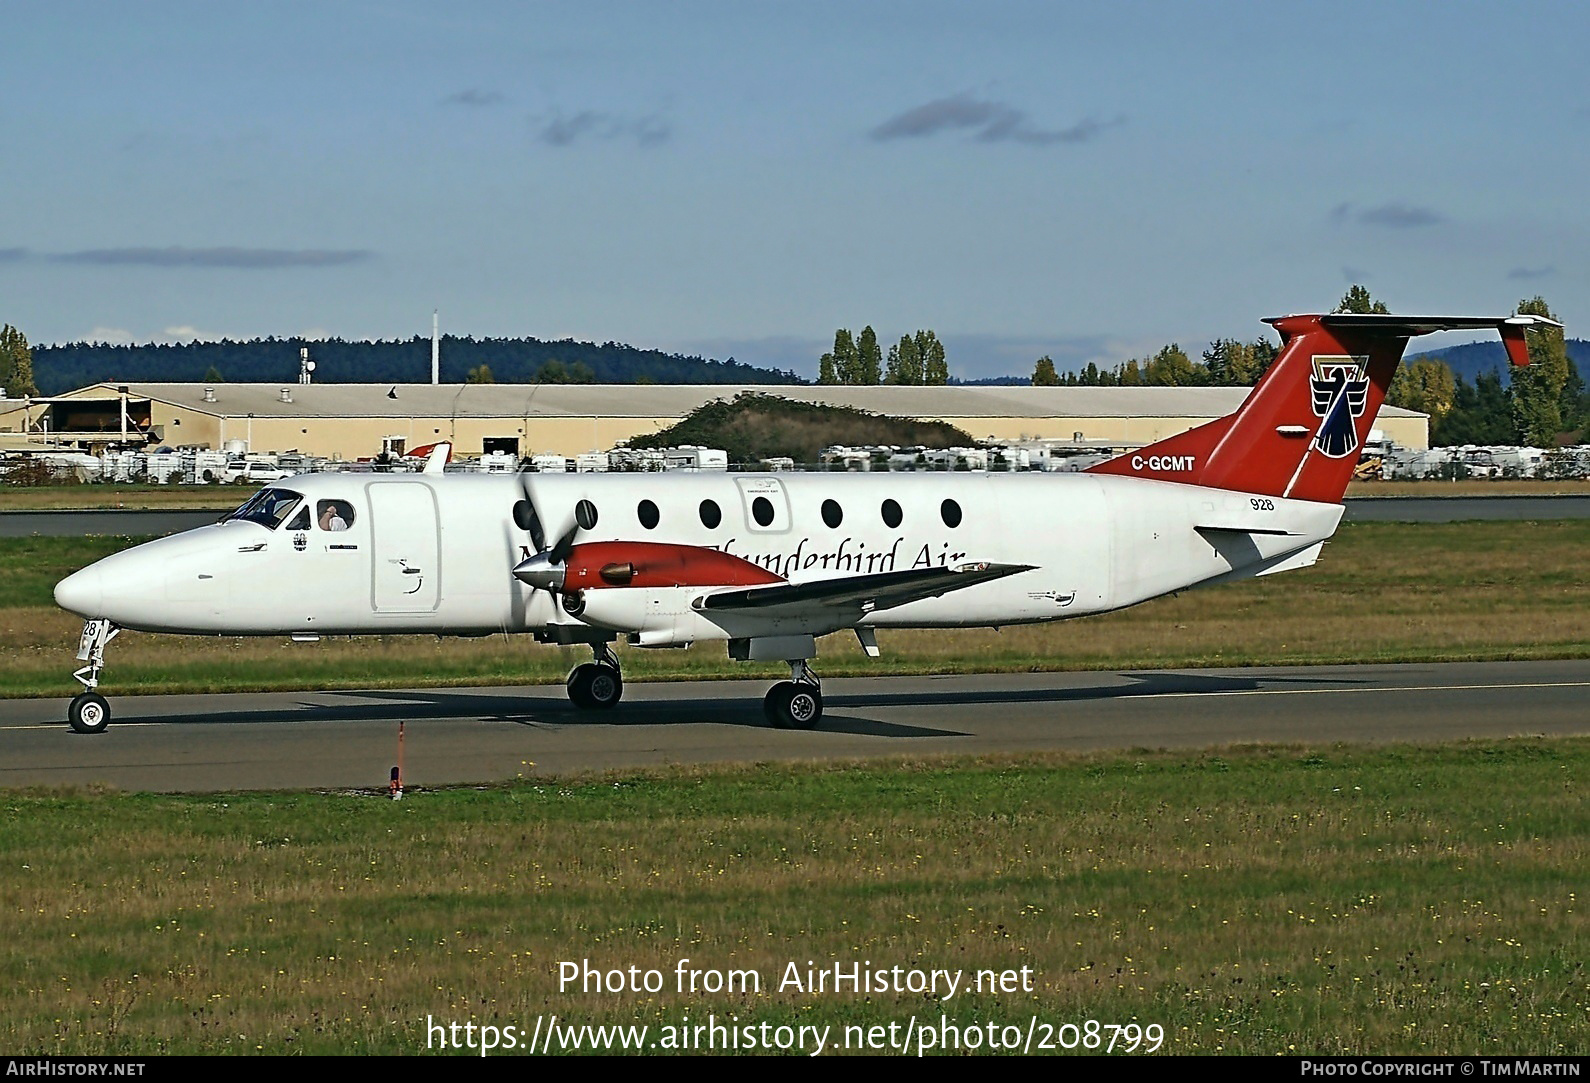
{"x":597,"y":685}
{"x":795,"y":704}
{"x":88,"y":711}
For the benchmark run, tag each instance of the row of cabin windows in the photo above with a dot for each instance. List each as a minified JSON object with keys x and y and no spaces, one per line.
{"x":761,"y":510}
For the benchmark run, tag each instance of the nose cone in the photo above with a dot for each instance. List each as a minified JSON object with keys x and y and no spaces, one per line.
{"x":83,"y":592}
{"x":539,"y":571}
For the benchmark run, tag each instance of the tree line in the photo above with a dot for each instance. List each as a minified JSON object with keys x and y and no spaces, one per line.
{"x":275,"y":360}
{"x":915,"y":360}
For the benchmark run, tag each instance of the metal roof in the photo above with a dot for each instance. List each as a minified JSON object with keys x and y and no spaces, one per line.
{"x":676,"y":400}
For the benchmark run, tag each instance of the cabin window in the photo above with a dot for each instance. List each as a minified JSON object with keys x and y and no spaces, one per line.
{"x":334,"y":515}
{"x":711,"y":514}
{"x":523,"y":517}
{"x":585,"y":515}
{"x":833,"y":514}
{"x":648,"y":515}
{"x":891,"y":514}
{"x":950,"y":512}
{"x":762,"y":511}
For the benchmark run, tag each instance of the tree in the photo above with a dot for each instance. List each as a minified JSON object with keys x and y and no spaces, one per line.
{"x":935,"y":369}
{"x":481,"y":374}
{"x":1538,"y":387}
{"x":212,"y":375}
{"x":847,"y":358}
{"x":1481,"y":414}
{"x":1424,"y":384}
{"x":1170,"y":367}
{"x":905,"y":363}
{"x":16,"y":363}
{"x":1043,"y":373}
{"x":869,"y":359}
{"x":827,"y":370}
{"x":1237,"y":364}
{"x":1357,"y":300}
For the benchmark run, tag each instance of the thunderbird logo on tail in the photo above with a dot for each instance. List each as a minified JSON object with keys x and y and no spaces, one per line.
{"x":1341,"y":390}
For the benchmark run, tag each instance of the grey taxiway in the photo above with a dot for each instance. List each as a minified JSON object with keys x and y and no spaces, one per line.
{"x":349,"y":740}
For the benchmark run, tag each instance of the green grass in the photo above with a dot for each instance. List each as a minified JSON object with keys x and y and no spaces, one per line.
{"x":1382,"y":592}
{"x":1324,"y":900}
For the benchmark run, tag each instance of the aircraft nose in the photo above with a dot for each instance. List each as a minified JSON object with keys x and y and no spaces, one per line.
{"x":82,"y":592}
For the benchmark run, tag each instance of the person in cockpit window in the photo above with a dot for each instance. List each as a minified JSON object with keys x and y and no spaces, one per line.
{"x":331,"y":515}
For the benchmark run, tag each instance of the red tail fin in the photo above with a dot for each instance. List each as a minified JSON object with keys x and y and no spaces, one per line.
{"x":1297,"y":434}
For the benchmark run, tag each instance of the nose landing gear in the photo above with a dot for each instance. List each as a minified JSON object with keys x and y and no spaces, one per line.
{"x":89,"y":712}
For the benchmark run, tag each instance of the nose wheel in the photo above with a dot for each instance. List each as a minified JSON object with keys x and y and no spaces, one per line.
{"x":795,"y":704}
{"x":597,"y":685}
{"x":89,"y":712}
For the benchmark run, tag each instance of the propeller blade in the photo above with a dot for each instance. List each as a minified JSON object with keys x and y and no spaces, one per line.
{"x":560,"y":551}
{"x":538,"y":537}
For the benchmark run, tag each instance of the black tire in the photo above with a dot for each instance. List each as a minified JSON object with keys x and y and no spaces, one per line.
{"x":791,"y":706}
{"x":774,"y":705}
{"x":579,"y":686}
{"x":88,"y":713}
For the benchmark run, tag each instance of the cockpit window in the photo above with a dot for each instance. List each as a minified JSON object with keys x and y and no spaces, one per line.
{"x":269,"y":507}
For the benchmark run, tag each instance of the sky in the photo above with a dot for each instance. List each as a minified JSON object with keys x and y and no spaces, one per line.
{"x":1088,"y":181}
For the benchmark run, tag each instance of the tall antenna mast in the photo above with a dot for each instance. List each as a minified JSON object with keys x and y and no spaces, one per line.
{"x":436,"y":349}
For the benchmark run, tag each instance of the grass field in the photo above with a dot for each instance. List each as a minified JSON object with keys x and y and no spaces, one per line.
{"x":1382,"y":592}
{"x":1260,"y":901}
{"x":127,"y":497}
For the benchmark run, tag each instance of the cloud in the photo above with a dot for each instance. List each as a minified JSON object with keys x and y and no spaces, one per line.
{"x":986,"y":121}
{"x":473,"y":97}
{"x":1394,"y":215}
{"x":1526,"y":273}
{"x":13,"y":255}
{"x":247,"y":258}
{"x":651,"y":130}
{"x":111,"y":336}
{"x":188,"y":333}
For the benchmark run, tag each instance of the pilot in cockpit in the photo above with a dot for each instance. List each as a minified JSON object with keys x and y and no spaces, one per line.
{"x":331,"y":515}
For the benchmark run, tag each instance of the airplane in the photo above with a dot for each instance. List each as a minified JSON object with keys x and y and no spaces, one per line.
{"x":769,"y":562}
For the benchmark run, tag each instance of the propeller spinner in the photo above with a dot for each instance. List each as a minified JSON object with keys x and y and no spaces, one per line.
{"x":544,"y":568}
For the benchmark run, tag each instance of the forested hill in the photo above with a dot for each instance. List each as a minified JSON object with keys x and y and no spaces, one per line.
{"x":271,"y":360}
{"x":1472,"y":358}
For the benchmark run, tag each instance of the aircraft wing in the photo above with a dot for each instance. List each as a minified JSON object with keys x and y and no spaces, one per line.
{"x":882,"y":590}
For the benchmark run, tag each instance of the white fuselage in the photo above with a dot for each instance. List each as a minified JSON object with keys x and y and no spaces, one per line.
{"x":435,"y":553}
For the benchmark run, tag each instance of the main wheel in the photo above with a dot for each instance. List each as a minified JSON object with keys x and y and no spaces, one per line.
{"x":88,"y":713}
{"x":595,"y":687}
{"x":791,"y":706}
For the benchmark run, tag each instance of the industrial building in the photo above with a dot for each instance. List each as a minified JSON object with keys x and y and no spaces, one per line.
{"x":352,"y":421}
